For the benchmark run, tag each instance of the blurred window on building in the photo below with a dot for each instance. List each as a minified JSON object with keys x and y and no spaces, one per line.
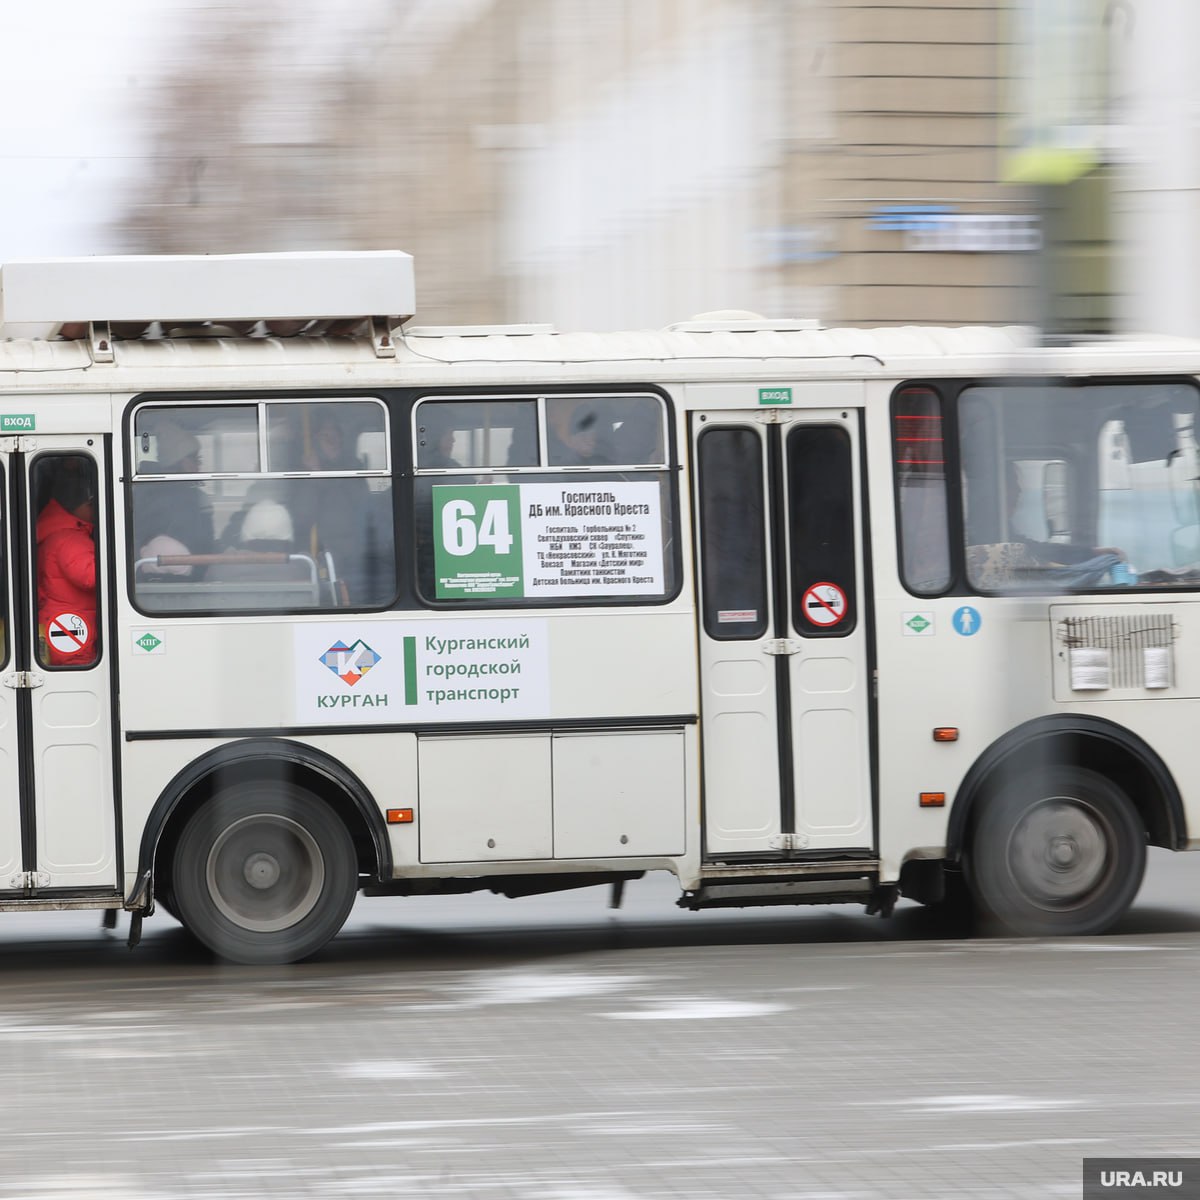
{"x":261,"y":505}
{"x":919,"y":454}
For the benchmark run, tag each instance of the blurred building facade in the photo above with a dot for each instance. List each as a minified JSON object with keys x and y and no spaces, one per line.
{"x":1155,"y":214}
{"x":624,"y":164}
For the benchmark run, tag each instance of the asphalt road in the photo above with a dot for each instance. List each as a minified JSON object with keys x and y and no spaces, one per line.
{"x":552,"y":1049}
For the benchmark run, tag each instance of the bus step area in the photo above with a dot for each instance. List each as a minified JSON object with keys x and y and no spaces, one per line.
{"x":812,"y":883}
{"x":15,"y":902}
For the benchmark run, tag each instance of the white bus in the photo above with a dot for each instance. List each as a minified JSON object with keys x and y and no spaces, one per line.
{"x":798,"y":615}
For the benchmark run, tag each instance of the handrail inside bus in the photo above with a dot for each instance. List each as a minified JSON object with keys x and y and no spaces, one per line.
{"x":256,"y":558}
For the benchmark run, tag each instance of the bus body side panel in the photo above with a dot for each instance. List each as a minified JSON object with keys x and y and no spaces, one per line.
{"x":597,"y":767}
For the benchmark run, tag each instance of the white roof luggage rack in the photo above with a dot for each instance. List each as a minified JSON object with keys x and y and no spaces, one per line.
{"x":326,"y":291}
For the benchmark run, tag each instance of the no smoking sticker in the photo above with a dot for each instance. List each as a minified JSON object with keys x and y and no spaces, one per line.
{"x":824,"y":604}
{"x":68,"y":633}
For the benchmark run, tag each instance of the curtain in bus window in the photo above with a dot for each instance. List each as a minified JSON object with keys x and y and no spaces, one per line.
{"x":733,"y":570}
{"x":918,"y":451}
{"x":821,"y":523}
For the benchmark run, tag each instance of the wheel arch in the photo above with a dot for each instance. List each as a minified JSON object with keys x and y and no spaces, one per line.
{"x":1075,"y":740}
{"x":259,"y":759}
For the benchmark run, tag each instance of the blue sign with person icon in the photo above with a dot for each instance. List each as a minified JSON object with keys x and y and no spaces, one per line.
{"x":966,"y":621}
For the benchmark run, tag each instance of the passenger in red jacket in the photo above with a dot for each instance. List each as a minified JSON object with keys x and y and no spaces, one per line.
{"x":66,"y":576}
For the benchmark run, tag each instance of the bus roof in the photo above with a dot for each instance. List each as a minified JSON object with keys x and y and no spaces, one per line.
{"x":198,"y":320}
{"x":446,"y":357}
{"x":446,"y":354}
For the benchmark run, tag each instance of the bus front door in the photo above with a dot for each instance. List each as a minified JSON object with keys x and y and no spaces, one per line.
{"x":783,"y":643}
{"x":58,"y":825}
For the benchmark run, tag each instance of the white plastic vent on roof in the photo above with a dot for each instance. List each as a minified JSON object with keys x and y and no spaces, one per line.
{"x":219,"y":287}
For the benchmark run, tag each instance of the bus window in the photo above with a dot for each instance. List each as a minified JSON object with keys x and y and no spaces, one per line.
{"x":733,"y":553}
{"x":270,"y":505}
{"x":584,"y":431}
{"x":918,"y":451}
{"x":821,"y":520}
{"x":577,"y":432}
{"x":476,"y":434}
{"x":501,"y":517}
{"x":65,"y":565}
{"x":1071,"y":487}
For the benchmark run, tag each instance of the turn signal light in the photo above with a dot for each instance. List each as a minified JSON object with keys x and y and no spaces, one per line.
{"x":933,"y":799}
{"x":945,"y":733}
{"x":399,"y":816}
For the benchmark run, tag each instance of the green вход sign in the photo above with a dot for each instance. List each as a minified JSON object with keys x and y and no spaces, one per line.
{"x":775,"y":395}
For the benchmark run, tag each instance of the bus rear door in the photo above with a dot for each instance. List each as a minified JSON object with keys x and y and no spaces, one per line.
{"x":783,"y":640}
{"x":57,"y":815}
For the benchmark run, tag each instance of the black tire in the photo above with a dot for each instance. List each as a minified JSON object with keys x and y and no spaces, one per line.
{"x":166,"y":901}
{"x":264,"y":873}
{"x":954,"y":914}
{"x":1059,"y":850}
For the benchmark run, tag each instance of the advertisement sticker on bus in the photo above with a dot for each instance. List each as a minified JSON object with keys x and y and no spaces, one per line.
{"x":430,"y":671}
{"x":549,"y":540}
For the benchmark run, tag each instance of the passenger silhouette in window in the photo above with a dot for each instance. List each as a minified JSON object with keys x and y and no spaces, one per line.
{"x":66,"y":566}
{"x":178,"y":510}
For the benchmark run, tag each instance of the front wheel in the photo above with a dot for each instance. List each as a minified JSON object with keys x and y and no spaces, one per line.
{"x":264,"y":873}
{"x":1058,"y":851}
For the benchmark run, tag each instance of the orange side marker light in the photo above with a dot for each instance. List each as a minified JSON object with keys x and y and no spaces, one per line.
{"x":933,"y":799}
{"x":945,"y":733}
{"x":399,"y":816}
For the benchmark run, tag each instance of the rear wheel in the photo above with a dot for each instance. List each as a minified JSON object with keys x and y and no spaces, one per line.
{"x":264,"y":873}
{"x":1058,"y":851}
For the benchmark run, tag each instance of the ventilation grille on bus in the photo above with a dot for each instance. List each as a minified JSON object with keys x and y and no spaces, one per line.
{"x":1119,"y":652}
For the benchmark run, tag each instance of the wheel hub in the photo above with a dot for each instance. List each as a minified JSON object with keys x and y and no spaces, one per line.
{"x":265,"y":873}
{"x":1059,"y":852}
{"x":1062,"y":852}
{"x":262,"y":870}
